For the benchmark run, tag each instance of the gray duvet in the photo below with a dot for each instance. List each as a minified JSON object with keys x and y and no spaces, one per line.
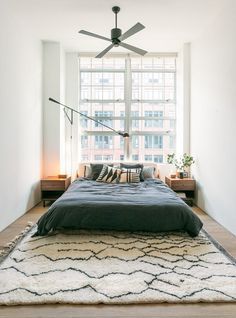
{"x":145,"y":206}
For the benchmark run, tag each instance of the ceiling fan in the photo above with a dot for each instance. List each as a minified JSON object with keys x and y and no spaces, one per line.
{"x":117,"y":37}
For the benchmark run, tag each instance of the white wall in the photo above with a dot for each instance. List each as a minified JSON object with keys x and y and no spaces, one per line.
{"x":53,"y":116}
{"x":52,"y":84}
{"x":183,"y":100}
{"x":213,"y":117}
{"x":72,"y":100}
{"x":20,"y":117}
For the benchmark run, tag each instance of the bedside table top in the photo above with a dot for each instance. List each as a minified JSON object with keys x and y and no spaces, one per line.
{"x":186,"y":179}
{"x":54,"y":178}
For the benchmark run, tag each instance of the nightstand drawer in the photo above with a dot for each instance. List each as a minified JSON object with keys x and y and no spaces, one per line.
{"x":52,"y":185}
{"x":183,"y":185}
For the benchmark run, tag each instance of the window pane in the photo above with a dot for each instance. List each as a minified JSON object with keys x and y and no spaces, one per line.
{"x":101,"y":85}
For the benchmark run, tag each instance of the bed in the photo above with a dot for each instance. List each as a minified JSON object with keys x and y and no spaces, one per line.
{"x":145,"y":206}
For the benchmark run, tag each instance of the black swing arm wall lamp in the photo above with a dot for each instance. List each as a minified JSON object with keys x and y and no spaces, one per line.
{"x":123,"y":134}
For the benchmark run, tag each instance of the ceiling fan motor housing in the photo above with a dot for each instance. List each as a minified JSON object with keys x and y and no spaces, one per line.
{"x":115,"y":34}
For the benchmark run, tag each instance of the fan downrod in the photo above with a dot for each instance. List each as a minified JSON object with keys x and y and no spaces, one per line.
{"x":116,"y":9}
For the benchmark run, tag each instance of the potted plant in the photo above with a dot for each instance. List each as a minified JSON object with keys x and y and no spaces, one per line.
{"x":180,"y":163}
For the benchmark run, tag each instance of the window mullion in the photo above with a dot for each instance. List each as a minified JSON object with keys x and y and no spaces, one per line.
{"x":128,"y":92}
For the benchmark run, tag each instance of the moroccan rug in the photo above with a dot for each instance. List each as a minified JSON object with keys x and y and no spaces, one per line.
{"x":115,"y":267}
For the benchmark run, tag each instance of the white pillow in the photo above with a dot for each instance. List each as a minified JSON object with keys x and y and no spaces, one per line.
{"x":87,"y":171}
{"x":148,"y":172}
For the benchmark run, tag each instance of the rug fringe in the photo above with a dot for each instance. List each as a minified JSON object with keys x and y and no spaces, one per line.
{"x":9,"y":246}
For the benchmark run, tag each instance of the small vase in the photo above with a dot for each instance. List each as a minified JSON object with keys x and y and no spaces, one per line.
{"x":181,"y":174}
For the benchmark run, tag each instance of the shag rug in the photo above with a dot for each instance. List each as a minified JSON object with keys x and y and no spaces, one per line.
{"x":115,"y":268}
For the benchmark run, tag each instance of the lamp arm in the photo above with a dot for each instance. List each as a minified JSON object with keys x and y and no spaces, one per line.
{"x":81,"y":114}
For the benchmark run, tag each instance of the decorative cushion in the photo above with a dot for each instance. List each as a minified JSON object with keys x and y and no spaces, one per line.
{"x":128,"y":176}
{"x":148,"y":172}
{"x":96,"y":169}
{"x":109,"y":174}
{"x":137,"y":167}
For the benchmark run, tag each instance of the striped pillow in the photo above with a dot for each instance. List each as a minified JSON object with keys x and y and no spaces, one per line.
{"x":109,"y":174}
{"x":129,"y":176}
{"x":137,"y":167}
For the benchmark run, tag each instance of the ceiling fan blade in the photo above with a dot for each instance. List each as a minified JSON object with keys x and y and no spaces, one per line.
{"x":105,"y":51}
{"x":136,"y":28}
{"x":94,"y":35}
{"x":133,"y":48}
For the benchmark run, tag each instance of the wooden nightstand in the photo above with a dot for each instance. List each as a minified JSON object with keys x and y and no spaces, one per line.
{"x":53,"y":187}
{"x":186,"y":185}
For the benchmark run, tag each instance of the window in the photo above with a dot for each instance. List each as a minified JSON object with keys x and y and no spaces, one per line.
{"x":135,"y":122}
{"x":103,"y":142}
{"x":84,"y":141}
{"x":132,"y":94}
{"x":155,"y":158}
{"x":135,"y":157}
{"x":135,"y":142}
{"x":99,"y":115}
{"x":158,"y":158}
{"x":148,"y":158}
{"x":153,"y":122}
{"x":83,"y":120}
{"x":154,"y":142}
{"x":103,"y":158}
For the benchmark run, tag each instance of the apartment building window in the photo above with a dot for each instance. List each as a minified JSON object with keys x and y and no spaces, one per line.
{"x":132,"y":94}
{"x":155,"y":158}
{"x":103,"y":142}
{"x":83,"y":120}
{"x":148,"y":157}
{"x":84,"y":141}
{"x":101,"y":117}
{"x":135,"y":157}
{"x":135,"y":141}
{"x":158,"y":158}
{"x":154,"y":141}
{"x":153,"y":122}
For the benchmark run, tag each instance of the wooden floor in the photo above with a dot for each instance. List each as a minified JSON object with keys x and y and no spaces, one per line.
{"x":203,"y":310}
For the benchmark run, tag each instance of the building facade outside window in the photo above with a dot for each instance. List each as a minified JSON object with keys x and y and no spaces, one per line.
{"x":132,"y":94}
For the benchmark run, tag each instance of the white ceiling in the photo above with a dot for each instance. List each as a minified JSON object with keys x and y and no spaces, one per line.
{"x":169,"y":23}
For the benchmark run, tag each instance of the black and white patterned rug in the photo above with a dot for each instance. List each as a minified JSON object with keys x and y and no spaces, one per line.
{"x":116,"y":267}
